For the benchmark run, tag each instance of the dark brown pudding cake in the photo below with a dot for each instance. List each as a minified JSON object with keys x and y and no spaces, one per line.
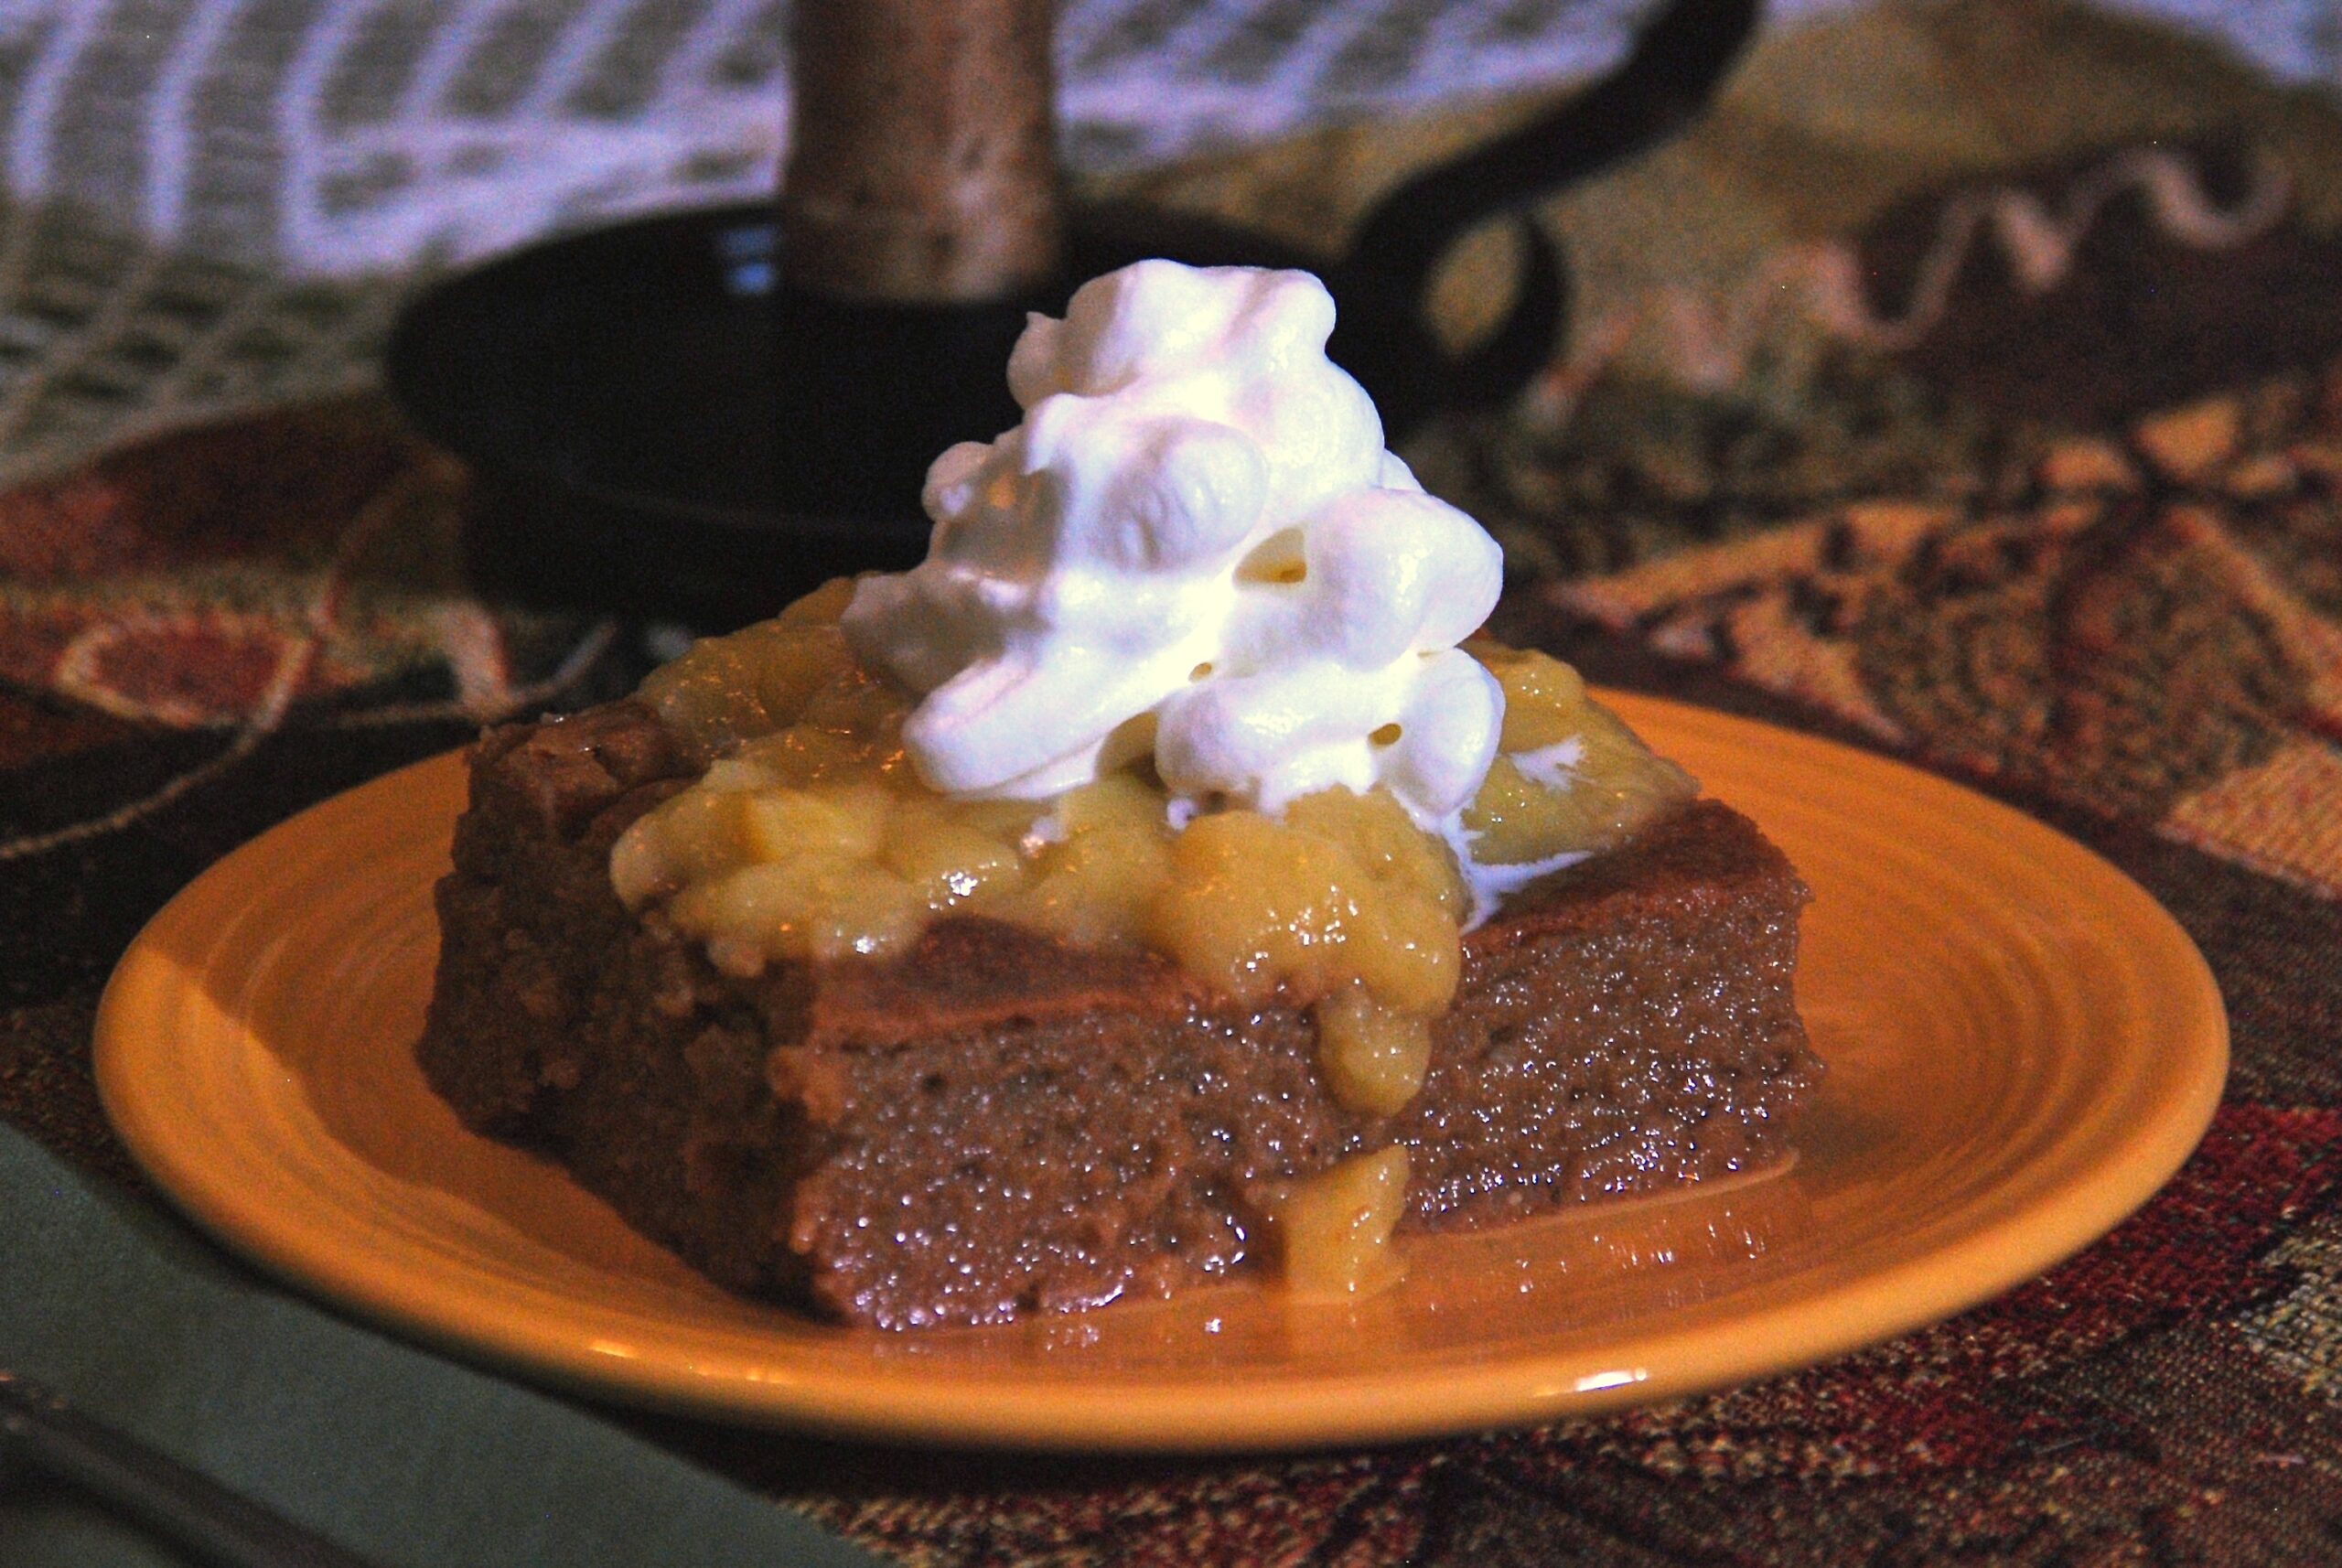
{"x":997,"y":1123}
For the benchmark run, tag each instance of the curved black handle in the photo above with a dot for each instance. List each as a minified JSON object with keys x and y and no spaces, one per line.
{"x":1677,"y":60}
{"x":184,"y":1506}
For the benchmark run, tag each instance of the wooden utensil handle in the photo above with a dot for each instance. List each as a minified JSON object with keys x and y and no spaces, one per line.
{"x":923,"y":160}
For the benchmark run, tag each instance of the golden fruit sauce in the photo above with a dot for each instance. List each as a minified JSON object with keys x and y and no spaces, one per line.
{"x":1334,"y":1229}
{"x":811,"y":836}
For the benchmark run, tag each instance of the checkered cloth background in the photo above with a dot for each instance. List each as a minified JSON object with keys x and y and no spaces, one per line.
{"x":213,"y":205}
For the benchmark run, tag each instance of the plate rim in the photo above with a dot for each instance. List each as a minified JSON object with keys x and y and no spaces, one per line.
{"x":1132,"y":1412}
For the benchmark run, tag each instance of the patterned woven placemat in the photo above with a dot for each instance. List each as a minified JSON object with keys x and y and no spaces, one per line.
{"x":1972,"y":387}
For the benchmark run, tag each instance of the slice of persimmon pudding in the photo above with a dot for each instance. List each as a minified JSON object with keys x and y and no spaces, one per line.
{"x":1157,"y":884}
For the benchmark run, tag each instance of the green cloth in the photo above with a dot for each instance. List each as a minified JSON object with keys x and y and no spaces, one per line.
{"x":393,"y":1453}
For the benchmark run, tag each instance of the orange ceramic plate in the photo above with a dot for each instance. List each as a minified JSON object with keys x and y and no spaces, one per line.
{"x":2021,"y":1047}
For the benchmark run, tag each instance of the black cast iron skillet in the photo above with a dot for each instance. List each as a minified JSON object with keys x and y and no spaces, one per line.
{"x":661,"y":426}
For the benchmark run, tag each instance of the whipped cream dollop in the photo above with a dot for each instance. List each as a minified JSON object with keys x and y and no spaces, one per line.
{"x":1195,"y":543}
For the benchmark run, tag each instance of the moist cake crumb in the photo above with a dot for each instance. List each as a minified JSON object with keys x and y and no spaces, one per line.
{"x":996,"y":1121}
